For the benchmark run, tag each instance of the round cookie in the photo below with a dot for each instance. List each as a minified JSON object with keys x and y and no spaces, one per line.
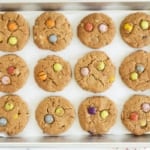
{"x":13,"y":73}
{"x":14,"y":114}
{"x":136,"y":114}
{"x":55,"y":115}
{"x":97,"y":114}
{"x":95,"y":72}
{"x":135,"y":71}
{"x":52,"y":31}
{"x":135,"y":29}
{"x":96,"y":30}
{"x":52,"y":73}
{"x":14,"y":32}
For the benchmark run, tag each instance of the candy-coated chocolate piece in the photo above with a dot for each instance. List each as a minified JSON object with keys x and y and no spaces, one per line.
{"x":146,"y":107}
{"x":88,"y":27}
{"x":134,"y":76}
{"x":128,"y":27}
{"x":5,"y":80}
{"x":12,"y":26}
{"x":42,"y":75}
{"x":16,"y":116}
{"x":104,"y":114}
{"x":9,"y":106}
{"x":143,"y":123}
{"x":48,"y":119}
{"x":103,"y":28}
{"x":139,"y":68}
{"x":52,"y":38}
{"x":144,"y":24}
{"x":59,"y":111}
{"x":92,"y":110}
{"x":50,"y":23}
{"x":12,"y":40}
{"x":57,"y":67}
{"x":101,"y":66}
{"x":3,"y":121}
{"x":85,"y":71}
{"x":11,"y":69}
{"x":134,"y":116}
{"x":111,"y":79}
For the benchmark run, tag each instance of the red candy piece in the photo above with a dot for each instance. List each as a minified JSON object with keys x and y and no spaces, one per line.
{"x":134,"y":116}
{"x":10,"y":70}
{"x":88,"y":27}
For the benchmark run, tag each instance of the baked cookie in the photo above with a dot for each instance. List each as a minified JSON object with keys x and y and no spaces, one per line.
{"x":135,"y":70}
{"x":97,"y":114}
{"x":95,"y":72}
{"x":13,"y":73}
{"x":52,"y":73}
{"x":14,"y":114}
{"x":52,"y":31}
{"x":96,"y":30}
{"x":136,"y":114}
{"x":135,"y":29}
{"x":55,"y":115}
{"x":14,"y":32}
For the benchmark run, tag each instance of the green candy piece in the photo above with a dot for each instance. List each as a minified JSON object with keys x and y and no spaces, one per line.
{"x":104,"y":114}
{"x":12,"y":40}
{"x":57,"y":67}
{"x":101,"y":66}
{"x":144,"y":25}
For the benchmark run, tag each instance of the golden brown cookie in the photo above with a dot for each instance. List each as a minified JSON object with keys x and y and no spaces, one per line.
{"x":135,"y":29}
{"x":52,"y":31}
{"x":13,"y":73}
{"x":136,"y":114}
{"x":135,"y":70}
{"x":95,"y":72}
{"x":14,"y":114}
{"x":55,"y":115}
{"x":14,"y":32}
{"x":52,"y":73}
{"x":96,"y":30}
{"x":97,"y":114}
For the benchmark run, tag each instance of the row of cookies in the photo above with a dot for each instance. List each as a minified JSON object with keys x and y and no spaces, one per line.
{"x":55,"y":114}
{"x":93,"y":72}
{"x":53,"y":31}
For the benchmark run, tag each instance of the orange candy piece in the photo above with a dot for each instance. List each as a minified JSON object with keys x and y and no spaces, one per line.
{"x":50,"y":23}
{"x":12,"y":26}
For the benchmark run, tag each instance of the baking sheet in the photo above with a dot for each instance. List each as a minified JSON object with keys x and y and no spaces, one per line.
{"x":32,"y":94}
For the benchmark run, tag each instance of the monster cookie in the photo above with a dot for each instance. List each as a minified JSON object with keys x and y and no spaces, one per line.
{"x":52,"y":73}
{"x":55,"y":115}
{"x":96,"y":30}
{"x":52,"y":31}
{"x":135,"y":29}
{"x":14,"y":32}
{"x":95,"y":72}
{"x":97,"y":114}
{"x":136,"y":114}
{"x":135,"y":71}
{"x":13,"y":73}
{"x":14,"y":114}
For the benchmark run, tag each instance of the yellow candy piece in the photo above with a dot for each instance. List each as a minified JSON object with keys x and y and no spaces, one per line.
{"x":9,"y":106}
{"x":104,"y":114}
{"x":128,"y":27}
{"x":111,"y":79}
{"x":59,"y":111}
{"x":101,"y":66}
{"x":144,"y":25}
{"x":16,"y":116}
{"x":57,"y":67}
{"x":143,"y":123}
{"x":12,"y":40}
{"x":134,"y":76}
{"x":42,"y":75}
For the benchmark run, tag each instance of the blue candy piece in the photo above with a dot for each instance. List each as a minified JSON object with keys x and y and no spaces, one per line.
{"x":52,"y":38}
{"x":48,"y":118}
{"x":3,"y":121}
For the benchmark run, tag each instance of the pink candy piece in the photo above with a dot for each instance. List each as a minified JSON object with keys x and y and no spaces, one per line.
{"x":146,"y":107}
{"x":103,"y":28}
{"x":85,"y":71}
{"x":5,"y":80}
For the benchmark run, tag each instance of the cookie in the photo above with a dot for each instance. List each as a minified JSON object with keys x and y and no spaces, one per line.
{"x":52,"y":73}
{"x":14,"y":32}
{"x":136,"y":114}
{"x":55,"y":115}
{"x":135,"y":29}
{"x":52,"y":31}
{"x":96,"y":30}
{"x":135,"y":70}
{"x":97,"y":114}
{"x":13,"y":73}
{"x":14,"y":114}
{"x":95,"y":72}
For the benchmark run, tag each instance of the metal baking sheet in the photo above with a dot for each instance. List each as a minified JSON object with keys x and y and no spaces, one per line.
{"x":75,"y":11}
